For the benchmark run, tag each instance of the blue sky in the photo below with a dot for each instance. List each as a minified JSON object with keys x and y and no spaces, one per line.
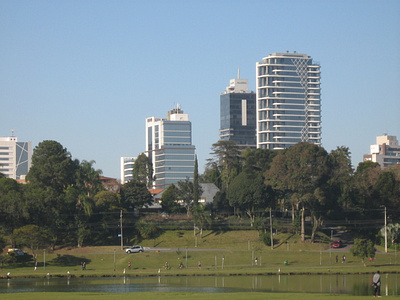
{"x":88,"y":73}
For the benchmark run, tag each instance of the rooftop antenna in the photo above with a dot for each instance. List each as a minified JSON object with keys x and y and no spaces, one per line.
{"x":12,"y":132}
{"x":238,"y":72}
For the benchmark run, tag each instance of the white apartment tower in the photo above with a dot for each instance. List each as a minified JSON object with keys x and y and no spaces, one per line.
{"x":15,"y":157}
{"x":169,"y":146}
{"x":288,"y":101}
{"x":126,"y":165}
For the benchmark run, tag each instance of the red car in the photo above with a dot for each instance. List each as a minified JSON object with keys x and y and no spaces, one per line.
{"x":337,"y":244}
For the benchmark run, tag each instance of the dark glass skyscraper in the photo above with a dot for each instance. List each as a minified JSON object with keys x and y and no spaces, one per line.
{"x":238,"y":114}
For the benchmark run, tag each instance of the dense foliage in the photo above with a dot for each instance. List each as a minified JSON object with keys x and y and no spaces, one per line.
{"x":64,"y":202}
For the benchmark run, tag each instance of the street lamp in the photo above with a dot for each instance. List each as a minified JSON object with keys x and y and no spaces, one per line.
{"x":385,"y":228}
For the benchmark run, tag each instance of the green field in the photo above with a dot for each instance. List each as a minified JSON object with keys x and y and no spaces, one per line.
{"x":220,"y":253}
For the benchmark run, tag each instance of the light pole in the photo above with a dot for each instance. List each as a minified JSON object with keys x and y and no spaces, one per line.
{"x":122,"y":237}
{"x":385,"y":231}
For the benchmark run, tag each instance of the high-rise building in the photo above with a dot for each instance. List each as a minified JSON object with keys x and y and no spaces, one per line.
{"x":127,"y":168}
{"x":386,"y":151}
{"x":288,"y":101}
{"x":238,"y":114}
{"x":15,"y":157}
{"x":169,"y":146}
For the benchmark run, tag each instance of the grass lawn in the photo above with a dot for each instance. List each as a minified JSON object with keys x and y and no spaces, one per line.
{"x":220,"y":253}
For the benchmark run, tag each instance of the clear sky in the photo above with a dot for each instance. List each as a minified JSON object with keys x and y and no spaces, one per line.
{"x":88,"y":73}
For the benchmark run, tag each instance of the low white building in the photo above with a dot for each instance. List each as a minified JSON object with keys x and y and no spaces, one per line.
{"x":386,"y":151}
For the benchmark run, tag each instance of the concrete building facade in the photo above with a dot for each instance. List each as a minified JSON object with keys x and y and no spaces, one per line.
{"x":15,"y":157}
{"x":386,"y":151}
{"x":169,"y":146}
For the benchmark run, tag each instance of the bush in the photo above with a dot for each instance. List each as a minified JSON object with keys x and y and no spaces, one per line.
{"x":265,"y":237}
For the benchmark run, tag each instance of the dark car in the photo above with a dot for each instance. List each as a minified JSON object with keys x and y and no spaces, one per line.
{"x":337,"y":244}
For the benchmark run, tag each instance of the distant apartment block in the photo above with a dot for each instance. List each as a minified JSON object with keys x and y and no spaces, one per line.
{"x":126,"y":165}
{"x":169,"y":147}
{"x":288,"y":101}
{"x":238,"y":114}
{"x":15,"y":157}
{"x":386,"y":151}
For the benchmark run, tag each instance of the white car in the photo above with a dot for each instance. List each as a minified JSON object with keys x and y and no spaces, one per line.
{"x":134,"y":249}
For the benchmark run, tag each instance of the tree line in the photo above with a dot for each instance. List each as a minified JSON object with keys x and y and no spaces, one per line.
{"x":65,"y":202}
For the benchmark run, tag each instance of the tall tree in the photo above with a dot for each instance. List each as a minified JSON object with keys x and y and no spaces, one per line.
{"x":248,"y":193}
{"x":52,"y":166}
{"x":135,"y":195}
{"x":143,"y":170}
{"x":365,"y":180}
{"x":196,"y":186}
{"x":169,"y":199}
{"x":340,"y":182}
{"x":227,"y":156}
{"x":185,"y":194}
{"x":302,"y":172}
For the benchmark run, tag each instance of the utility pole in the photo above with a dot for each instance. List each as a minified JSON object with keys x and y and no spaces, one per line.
{"x":122,"y":237}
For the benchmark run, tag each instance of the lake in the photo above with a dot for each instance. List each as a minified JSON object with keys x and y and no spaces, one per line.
{"x":333,"y":284}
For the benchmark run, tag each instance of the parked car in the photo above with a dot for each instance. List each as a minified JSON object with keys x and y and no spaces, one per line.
{"x":134,"y":249}
{"x":15,"y":252}
{"x":337,"y":244}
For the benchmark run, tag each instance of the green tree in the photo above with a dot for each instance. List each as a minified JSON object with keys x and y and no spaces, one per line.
{"x":169,"y":199}
{"x":340,"y":182}
{"x":31,"y":236}
{"x":301,"y":173}
{"x":196,"y":186}
{"x":135,"y":195}
{"x":185,"y":194}
{"x":363,"y":248}
{"x":248,"y":193}
{"x":393,"y":233}
{"x":201,"y":217}
{"x":13,"y":209}
{"x":364,"y":185}
{"x":143,"y":170}
{"x":227,"y":157}
{"x":52,"y":167}
{"x":257,"y":160}
{"x":107,"y":201}
{"x":212,"y":174}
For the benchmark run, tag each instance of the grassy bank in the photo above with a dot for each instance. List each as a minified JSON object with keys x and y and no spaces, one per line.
{"x":220,"y":253}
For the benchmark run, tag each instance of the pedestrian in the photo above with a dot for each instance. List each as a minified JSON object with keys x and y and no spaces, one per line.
{"x":84,"y":266}
{"x":376,"y":283}
{"x":180,"y":265}
{"x":371,"y":259}
{"x":166,"y":265}
{"x":129,"y":265}
{"x":337,"y":259}
{"x":256,"y":261}
{"x":199,"y":265}
{"x":343,"y":259}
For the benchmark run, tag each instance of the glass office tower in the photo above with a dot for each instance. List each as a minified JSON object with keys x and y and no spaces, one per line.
{"x":169,"y":146}
{"x":238,"y":114}
{"x":288,"y":101}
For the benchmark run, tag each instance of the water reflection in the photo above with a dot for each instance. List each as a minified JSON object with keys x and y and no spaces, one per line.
{"x":333,"y":284}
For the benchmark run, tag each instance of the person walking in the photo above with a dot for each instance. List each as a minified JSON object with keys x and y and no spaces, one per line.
{"x":376,"y":283}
